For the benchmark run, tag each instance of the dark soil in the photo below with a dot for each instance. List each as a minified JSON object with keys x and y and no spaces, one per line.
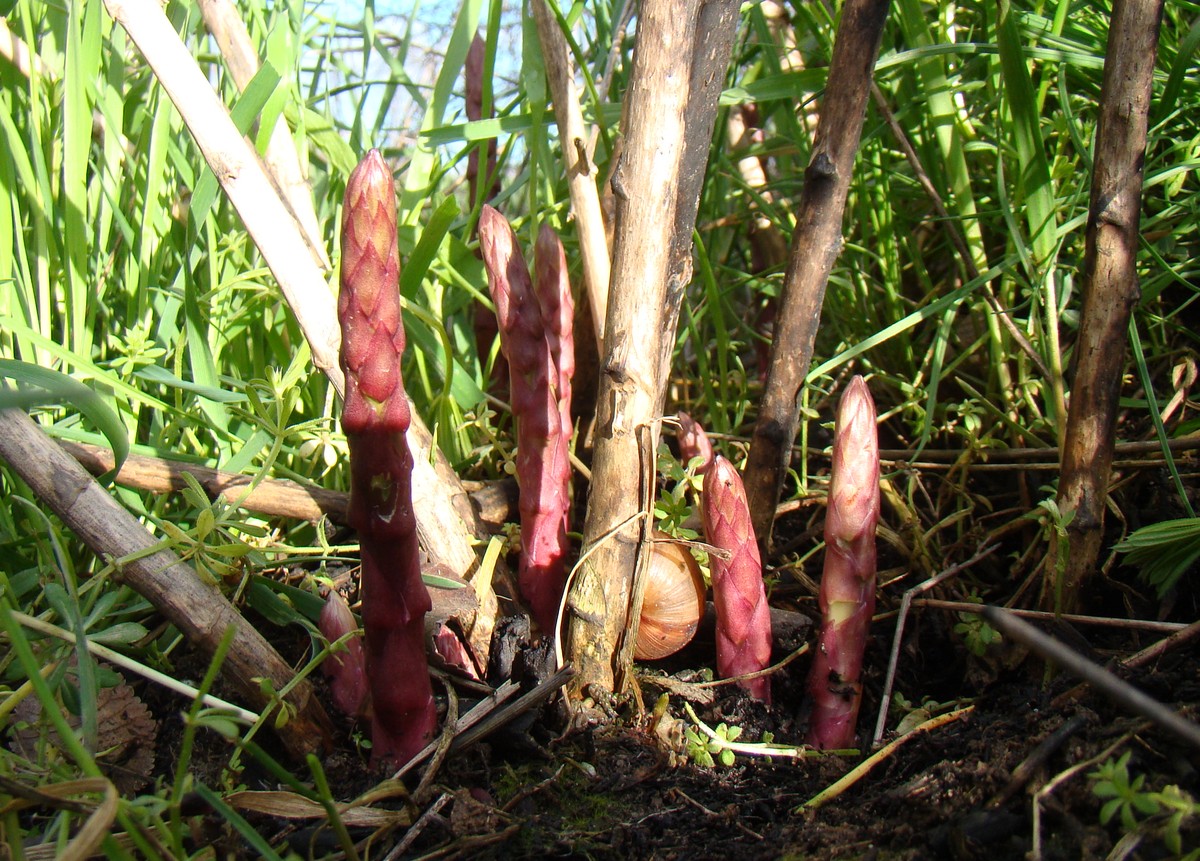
{"x":624,"y":787}
{"x":619,"y":782}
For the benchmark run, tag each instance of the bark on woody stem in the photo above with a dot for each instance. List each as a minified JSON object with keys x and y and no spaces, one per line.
{"x":1110,"y":289}
{"x":816,"y":243}
{"x":679,"y":68}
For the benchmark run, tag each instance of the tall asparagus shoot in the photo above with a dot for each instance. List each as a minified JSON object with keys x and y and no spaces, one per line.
{"x":743,"y":616}
{"x":375,"y":417}
{"x":553,"y":291}
{"x":483,"y":184}
{"x":473,"y":78}
{"x":847,"y":596}
{"x":530,"y":335}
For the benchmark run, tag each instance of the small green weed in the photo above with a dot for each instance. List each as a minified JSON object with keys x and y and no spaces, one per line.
{"x":1163,"y":552}
{"x":1164,"y":813}
{"x":701,"y":748}
{"x":702,"y":741}
{"x":676,"y":504}
{"x":1124,"y":793}
{"x":977,"y":634}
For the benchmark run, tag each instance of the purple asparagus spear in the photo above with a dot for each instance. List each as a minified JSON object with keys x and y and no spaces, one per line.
{"x":346,"y":670}
{"x":693,"y":442}
{"x":543,"y":469}
{"x":847,"y":596}
{"x":553,"y":291}
{"x":375,"y":417}
{"x":743,"y":617}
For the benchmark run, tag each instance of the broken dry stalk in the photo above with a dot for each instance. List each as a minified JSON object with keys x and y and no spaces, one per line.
{"x":280,"y":159}
{"x":816,"y":243}
{"x":543,"y":470}
{"x":578,"y":143}
{"x":743,"y":617}
{"x":884,"y":753}
{"x":375,"y":418}
{"x":847,"y":596}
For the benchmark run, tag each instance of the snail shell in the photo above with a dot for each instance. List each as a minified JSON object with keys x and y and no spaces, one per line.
{"x":673,"y":604}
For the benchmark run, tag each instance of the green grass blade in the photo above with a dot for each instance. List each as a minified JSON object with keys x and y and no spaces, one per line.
{"x":1139,"y":360}
{"x":247,"y":831}
{"x":246,"y":110}
{"x":55,"y":387}
{"x":200,"y":360}
{"x":419,"y":178}
{"x":32,"y":667}
{"x":1181,"y":68}
{"x":933,"y":309}
{"x":86,"y":368}
{"x":1033,"y":179}
{"x":416,"y":267}
{"x":82,"y":67}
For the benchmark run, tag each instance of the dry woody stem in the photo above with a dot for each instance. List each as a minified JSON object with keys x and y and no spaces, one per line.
{"x":577,"y":154}
{"x":282,"y":162}
{"x":196,"y":608}
{"x":1110,"y":292}
{"x":816,"y":243}
{"x":277,"y":497}
{"x":444,"y":516}
{"x":679,"y":65}
{"x":1112,"y":686}
{"x":238,"y":169}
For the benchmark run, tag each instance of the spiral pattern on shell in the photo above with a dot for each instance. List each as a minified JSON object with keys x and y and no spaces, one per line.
{"x":673,"y":604}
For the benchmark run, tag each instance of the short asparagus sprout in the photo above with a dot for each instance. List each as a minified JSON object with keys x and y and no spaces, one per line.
{"x":847,"y":596}
{"x":693,"y":443}
{"x":346,"y":669}
{"x":743,"y":616}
